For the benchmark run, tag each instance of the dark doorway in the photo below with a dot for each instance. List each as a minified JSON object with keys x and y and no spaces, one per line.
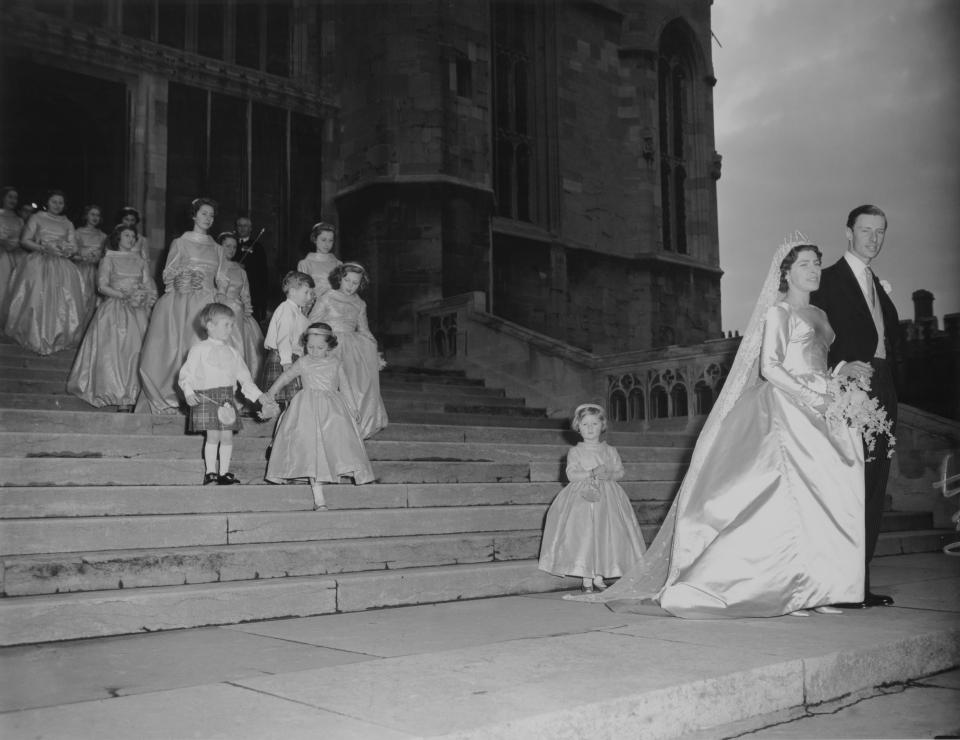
{"x":63,"y":130}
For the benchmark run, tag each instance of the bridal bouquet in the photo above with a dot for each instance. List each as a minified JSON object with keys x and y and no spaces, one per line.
{"x":850,"y":405}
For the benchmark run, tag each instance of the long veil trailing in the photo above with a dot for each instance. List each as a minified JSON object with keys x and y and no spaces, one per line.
{"x":648,"y":578}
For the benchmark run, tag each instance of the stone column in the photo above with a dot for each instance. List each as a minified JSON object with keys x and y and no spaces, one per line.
{"x":147,"y":175}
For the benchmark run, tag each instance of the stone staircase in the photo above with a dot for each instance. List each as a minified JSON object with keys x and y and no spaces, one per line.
{"x":104,"y":528}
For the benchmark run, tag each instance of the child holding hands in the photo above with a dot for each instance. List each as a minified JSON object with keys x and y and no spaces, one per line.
{"x":209,"y":380}
{"x":317,"y":436}
{"x":287,"y":325}
{"x":591,"y":530}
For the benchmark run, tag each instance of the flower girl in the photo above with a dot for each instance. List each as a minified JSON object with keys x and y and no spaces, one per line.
{"x":320,"y":263}
{"x":317,"y":437}
{"x":591,"y":530}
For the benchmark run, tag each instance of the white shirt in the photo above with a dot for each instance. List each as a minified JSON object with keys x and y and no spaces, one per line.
{"x":864,"y":277}
{"x":215,"y":364}
{"x":286,"y":327}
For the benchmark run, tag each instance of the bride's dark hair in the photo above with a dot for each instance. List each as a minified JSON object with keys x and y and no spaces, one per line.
{"x":792,"y":257}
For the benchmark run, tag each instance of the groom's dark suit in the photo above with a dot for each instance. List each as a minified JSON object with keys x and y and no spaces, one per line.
{"x":846,"y":307}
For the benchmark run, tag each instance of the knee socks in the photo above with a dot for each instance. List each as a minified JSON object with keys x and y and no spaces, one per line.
{"x":210,"y":457}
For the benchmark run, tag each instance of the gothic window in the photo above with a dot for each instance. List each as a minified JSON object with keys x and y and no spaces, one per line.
{"x":659,"y":403}
{"x":516,"y":165}
{"x":702,"y":398}
{"x":678,"y":395}
{"x":636,"y":405}
{"x":674,"y":73}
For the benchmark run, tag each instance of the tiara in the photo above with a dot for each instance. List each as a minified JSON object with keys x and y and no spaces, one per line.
{"x":585,"y":406}
{"x":794,"y":240}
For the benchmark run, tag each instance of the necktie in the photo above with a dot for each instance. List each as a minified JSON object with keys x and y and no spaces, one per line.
{"x":871,"y":290}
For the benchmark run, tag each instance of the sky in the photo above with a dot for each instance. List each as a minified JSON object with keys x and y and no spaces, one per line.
{"x":823,"y":105}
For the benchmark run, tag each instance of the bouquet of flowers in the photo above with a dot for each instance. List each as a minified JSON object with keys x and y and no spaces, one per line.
{"x":381,"y":362}
{"x":850,"y":405}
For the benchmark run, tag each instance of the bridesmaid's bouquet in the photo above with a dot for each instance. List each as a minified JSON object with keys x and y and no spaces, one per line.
{"x":849,"y":404}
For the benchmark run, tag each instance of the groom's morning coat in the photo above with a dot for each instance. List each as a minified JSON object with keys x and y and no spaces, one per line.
{"x":846,"y":308}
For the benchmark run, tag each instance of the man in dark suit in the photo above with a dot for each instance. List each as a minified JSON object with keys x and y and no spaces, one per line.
{"x":252,"y":253}
{"x":866,"y":323}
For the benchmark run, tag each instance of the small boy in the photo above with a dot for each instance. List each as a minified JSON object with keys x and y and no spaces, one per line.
{"x":283,"y":335}
{"x":209,"y":380}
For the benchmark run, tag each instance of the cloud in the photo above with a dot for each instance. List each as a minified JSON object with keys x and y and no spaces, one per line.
{"x":826,"y":104}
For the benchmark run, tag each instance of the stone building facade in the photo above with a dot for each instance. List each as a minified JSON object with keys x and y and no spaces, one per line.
{"x":557,"y":155}
{"x":928,"y":367}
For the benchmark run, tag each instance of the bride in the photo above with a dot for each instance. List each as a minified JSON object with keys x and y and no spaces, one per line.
{"x":769,"y":518}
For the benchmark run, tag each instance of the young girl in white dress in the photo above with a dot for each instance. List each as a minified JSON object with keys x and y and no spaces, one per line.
{"x":591,"y":530}
{"x":320,"y":263}
{"x":317,"y":436}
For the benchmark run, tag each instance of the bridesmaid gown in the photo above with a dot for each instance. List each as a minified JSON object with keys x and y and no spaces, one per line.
{"x":317,"y":436}
{"x":11,"y":256}
{"x":105,"y":370}
{"x":247,"y":337}
{"x":47,"y":308}
{"x":347,"y":316}
{"x":90,"y":240}
{"x":591,"y":532}
{"x":774,"y":522}
{"x":193,"y":271}
{"x":319,"y":266}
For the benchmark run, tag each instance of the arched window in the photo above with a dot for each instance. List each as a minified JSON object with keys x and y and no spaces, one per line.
{"x":703,"y":398}
{"x":659,"y":404}
{"x":678,"y":394}
{"x":636,"y":404}
{"x":617,"y":403}
{"x":675,"y":69}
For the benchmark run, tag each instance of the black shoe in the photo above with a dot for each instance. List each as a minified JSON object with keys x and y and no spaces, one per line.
{"x":878,"y":600}
{"x":210,"y":478}
{"x":852,"y":605}
{"x":227,"y":479}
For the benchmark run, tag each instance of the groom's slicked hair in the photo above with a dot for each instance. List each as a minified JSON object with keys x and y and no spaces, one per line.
{"x":865,"y":210}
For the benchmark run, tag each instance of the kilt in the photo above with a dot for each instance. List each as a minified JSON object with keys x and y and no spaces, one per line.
{"x":272,"y":369}
{"x":203,"y":416}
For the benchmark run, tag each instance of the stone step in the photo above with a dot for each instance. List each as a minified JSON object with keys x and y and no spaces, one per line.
{"x":108,"y":422}
{"x":14,"y":354}
{"x":393,"y":395}
{"x":53,"y":617}
{"x":411,"y":408}
{"x":77,"y":534}
{"x":252,"y":448}
{"x":924,"y":540}
{"x":185,"y":472}
{"x":30,"y":575}
{"x":650,"y":498}
{"x":898,"y":521}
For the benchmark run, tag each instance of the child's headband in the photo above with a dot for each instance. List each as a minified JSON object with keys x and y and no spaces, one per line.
{"x":323,"y":226}
{"x":586,"y":406}
{"x":318,"y":332}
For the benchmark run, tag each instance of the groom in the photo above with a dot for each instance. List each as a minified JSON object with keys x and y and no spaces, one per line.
{"x":865,"y":321}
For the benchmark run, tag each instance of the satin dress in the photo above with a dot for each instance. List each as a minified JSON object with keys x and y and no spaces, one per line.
{"x":247,"y":336}
{"x":105,"y":369}
{"x":11,"y":256}
{"x":317,"y":436}
{"x":319,"y":266}
{"x":591,"y":528}
{"x":774,"y":522}
{"x":91,"y":243}
{"x":347,"y":316}
{"x":192,"y":273}
{"x":47,"y":311}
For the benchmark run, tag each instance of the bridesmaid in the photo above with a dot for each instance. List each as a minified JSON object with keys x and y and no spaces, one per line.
{"x":47,"y":309}
{"x":320,"y":263}
{"x":11,"y":226}
{"x":90,"y":243}
{"x":130,"y":216}
{"x":192,"y":273}
{"x":247,"y":336}
{"x":105,"y":370}
{"x":346,"y":313}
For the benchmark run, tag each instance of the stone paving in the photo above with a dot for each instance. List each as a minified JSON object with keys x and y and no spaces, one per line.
{"x":513,"y":667}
